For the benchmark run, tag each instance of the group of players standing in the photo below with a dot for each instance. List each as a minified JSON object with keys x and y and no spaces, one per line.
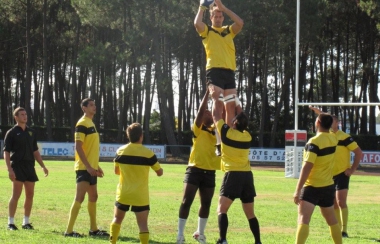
{"x":325,"y":176}
{"x":323,"y":181}
{"x":227,"y":129}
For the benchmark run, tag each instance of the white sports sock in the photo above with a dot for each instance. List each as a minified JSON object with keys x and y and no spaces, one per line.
{"x":11,"y":220}
{"x":202,"y":225}
{"x":181,"y":226}
{"x":25,"y":220}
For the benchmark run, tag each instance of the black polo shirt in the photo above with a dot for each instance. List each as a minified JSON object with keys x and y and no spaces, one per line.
{"x":21,"y":144}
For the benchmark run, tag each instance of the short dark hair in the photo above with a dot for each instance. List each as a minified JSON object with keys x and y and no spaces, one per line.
{"x":134,"y":132}
{"x":325,"y":120}
{"x":85,"y":102}
{"x":19,"y":109}
{"x":241,"y":121}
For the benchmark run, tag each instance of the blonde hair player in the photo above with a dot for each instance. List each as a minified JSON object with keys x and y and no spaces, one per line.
{"x":218,"y":41}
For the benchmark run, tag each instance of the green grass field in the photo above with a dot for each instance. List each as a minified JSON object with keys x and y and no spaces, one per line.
{"x":274,"y":208}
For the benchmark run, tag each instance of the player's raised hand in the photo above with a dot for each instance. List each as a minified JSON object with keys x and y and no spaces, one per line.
{"x":315,"y":110}
{"x":220,"y":5}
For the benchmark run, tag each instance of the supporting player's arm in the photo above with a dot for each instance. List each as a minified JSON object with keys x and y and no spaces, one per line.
{"x":202,"y":109}
{"x":238,"y":105}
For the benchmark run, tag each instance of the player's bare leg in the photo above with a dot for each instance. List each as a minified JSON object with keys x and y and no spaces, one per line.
{"x":230,"y":105}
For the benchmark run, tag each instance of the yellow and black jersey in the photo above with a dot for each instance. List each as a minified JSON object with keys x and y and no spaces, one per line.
{"x":85,"y":131}
{"x":134,"y":161}
{"x":320,"y":151}
{"x":219,"y":46}
{"x":346,"y":144}
{"x":203,"y":151}
{"x":235,"y":148}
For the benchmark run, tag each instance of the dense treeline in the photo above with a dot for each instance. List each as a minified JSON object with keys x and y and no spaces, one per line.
{"x":135,"y":56}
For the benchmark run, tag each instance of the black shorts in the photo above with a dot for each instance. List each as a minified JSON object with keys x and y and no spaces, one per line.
{"x":83,"y":175}
{"x":202,"y":178}
{"x":223,"y":78}
{"x":25,"y":172}
{"x":238,"y":184}
{"x":320,"y":196}
{"x":341,"y":181}
{"x":135,"y":209}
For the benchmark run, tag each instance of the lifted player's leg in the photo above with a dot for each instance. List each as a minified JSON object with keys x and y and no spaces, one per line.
{"x":230,"y":105}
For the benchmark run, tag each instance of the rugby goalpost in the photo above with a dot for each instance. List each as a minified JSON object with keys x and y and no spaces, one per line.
{"x":296,"y":139}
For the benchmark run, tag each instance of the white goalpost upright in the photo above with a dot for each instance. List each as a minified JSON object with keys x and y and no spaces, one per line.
{"x":293,"y":153}
{"x":296,"y":139}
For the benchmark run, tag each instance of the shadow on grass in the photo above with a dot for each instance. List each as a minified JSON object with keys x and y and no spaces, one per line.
{"x":121,"y":238}
{"x":135,"y":240}
{"x":367,"y":238}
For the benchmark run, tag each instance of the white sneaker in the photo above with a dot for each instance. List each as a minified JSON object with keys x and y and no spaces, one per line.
{"x":180,"y":240}
{"x":199,"y":238}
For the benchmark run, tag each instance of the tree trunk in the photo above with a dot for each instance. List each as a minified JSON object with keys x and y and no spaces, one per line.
{"x":46,"y":86}
{"x":28,"y":68}
{"x":162,"y":84}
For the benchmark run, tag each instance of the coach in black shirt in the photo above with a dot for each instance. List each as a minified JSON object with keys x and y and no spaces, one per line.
{"x":20,"y":153}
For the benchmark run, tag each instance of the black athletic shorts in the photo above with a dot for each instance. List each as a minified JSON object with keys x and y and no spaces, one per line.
{"x":238,"y":184}
{"x":319,"y":196}
{"x":202,"y":178}
{"x":83,"y":175}
{"x":341,"y":181}
{"x":135,"y":209}
{"x":25,"y":172}
{"x":223,"y":78}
